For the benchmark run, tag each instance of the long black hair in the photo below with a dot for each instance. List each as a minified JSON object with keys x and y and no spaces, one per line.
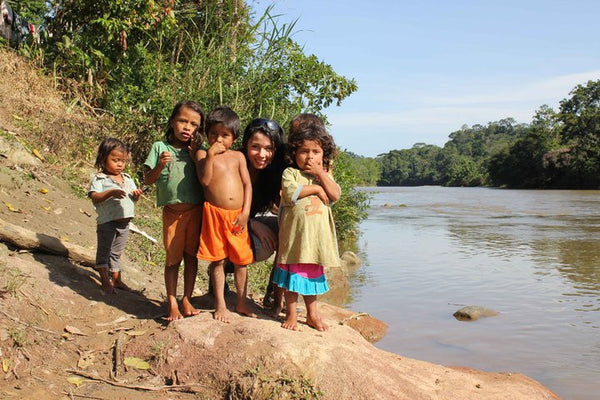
{"x":265,"y":191}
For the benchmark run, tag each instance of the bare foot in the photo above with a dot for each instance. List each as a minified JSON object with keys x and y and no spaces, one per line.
{"x":188,"y":309}
{"x":120,"y":285}
{"x":174,"y":313}
{"x":221,"y":314}
{"x":275,"y":311}
{"x":108,"y":288}
{"x":244,"y":310}
{"x":107,"y":285}
{"x":317,"y":324}
{"x":290,"y":323}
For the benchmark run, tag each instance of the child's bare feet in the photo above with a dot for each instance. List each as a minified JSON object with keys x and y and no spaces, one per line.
{"x":290,"y":323}
{"x":242,"y":308}
{"x":276,"y":310}
{"x":174,"y":313}
{"x":317,"y":323}
{"x":120,"y":285}
{"x":107,"y":285}
{"x":117,"y":282}
{"x":188,"y":309}
{"x":222,"y":314}
{"x":108,"y":288}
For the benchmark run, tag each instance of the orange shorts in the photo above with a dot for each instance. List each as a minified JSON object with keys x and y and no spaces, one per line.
{"x":181,"y":232}
{"x":217,"y":240}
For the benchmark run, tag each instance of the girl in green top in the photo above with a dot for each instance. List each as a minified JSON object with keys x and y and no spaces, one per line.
{"x":170,"y":165}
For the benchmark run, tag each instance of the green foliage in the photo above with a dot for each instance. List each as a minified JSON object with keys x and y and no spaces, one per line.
{"x":366,"y":169}
{"x":580,"y":118}
{"x":351,"y":208}
{"x":412,"y":167}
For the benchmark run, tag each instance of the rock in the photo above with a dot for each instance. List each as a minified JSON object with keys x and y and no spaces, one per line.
{"x":16,"y":153}
{"x":473,"y":313}
{"x":349,"y":259}
{"x":255,"y":357}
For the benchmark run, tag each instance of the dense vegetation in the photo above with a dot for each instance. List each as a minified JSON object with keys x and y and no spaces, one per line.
{"x":135,"y":59}
{"x":558,"y":149}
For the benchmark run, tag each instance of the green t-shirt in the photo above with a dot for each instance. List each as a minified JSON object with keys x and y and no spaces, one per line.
{"x":178,"y":182}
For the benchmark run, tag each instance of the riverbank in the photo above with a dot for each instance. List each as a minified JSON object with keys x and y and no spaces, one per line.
{"x":61,"y":338}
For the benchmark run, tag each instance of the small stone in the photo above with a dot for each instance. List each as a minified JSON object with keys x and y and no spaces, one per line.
{"x":473,"y":313}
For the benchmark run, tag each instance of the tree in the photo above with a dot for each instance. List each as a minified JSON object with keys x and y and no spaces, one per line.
{"x":580,"y":118}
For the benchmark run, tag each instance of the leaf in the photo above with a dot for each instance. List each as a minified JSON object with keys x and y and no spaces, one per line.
{"x":75,"y":380}
{"x":135,"y":333}
{"x":43,"y":190}
{"x":6,"y":364}
{"x":46,"y":208}
{"x":37,"y":154}
{"x":10,"y":207}
{"x":137,"y":363}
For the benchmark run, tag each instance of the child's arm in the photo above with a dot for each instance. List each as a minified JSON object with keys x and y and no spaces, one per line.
{"x":99,"y":197}
{"x":316,"y":190}
{"x":242,"y":219}
{"x":152,"y":175}
{"x":206,"y":165}
{"x":332,"y":190}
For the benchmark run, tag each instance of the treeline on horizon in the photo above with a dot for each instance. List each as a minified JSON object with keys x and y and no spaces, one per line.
{"x":130,"y":61}
{"x":558,"y":149}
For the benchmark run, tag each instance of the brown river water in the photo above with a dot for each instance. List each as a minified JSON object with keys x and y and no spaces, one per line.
{"x":531,"y":255}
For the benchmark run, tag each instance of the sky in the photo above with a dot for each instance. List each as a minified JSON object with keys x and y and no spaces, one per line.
{"x":426,"y":68}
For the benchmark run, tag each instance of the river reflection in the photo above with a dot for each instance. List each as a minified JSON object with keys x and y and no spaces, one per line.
{"x":531,"y":255}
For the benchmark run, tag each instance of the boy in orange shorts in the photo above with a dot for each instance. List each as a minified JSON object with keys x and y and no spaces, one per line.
{"x":228,"y":193}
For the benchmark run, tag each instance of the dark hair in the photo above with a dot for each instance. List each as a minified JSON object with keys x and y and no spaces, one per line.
{"x":106,"y":147}
{"x":227,"y":117}
{"x":306,"y":119}
{"x":265,"y":190}
{"x":170,"y":133}
{"x":310,"y":127}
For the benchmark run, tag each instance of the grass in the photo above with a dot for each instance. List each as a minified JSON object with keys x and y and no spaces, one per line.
{"x":14,"y":282}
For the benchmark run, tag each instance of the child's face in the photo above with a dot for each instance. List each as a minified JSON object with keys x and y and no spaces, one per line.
{"x":218,"y":133}
{"x":115,"y":162}
{"x":185,"y":124}
{"x":310,"y":152}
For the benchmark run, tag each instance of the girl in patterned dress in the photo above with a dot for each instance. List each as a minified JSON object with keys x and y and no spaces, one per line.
{"x":307,"y":240}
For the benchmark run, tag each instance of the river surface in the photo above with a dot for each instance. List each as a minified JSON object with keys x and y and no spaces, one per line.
{"x":532,"y":255}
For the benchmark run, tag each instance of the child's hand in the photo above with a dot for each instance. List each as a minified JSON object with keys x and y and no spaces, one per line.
{"x":118,"y":193}
{"x":135,"y":194}
{"x":313,"y":167}
{"x":216,"y":148}
{"x":165,"y":158}
{"x":239,"y":224}
{"x":323,"y":196}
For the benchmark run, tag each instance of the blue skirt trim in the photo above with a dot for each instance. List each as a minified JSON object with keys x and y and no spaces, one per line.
{"x":295,"y":282}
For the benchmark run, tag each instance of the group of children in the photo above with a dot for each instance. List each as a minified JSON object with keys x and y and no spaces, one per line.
{"x":205,"y":197}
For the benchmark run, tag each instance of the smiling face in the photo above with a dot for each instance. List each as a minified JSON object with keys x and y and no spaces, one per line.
{"x":185,"y":125}
{"x":309,"y":151}
{"x":260,"y":150}
{"x":115,"y":162}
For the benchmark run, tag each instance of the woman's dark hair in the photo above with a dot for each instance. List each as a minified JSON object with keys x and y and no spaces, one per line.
{"x":227,"y":117}
{"x":106,"y":147}
{"x":170,"y":133}
{"x":265,"y":190}
{"x":310,"y":127}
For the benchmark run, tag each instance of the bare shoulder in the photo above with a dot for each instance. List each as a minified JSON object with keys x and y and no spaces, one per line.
{"x":200,"y":155}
